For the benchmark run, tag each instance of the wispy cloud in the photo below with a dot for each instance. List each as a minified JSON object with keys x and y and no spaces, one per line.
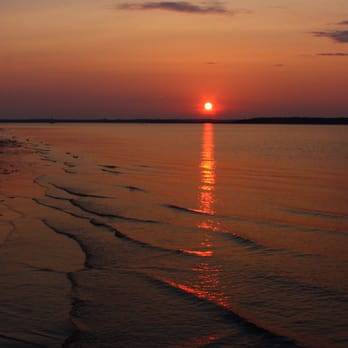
{"x":335,"y":54}
{"x":180,"y":6}
{"x":337,"y":35}
{"x":343,"y":23}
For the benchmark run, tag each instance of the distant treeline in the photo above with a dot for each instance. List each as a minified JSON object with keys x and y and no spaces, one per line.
{"x":257,"y":120}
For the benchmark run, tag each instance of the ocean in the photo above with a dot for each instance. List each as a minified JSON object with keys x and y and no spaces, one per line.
{"x":178,"y":235}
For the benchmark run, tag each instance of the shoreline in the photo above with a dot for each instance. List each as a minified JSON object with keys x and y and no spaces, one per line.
{"x":41,"y":294}
{"x":7,"y":144}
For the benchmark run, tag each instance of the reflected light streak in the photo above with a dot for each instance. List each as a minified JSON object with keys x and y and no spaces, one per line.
{"x":200,"y":253}
{"x":204,"y":293}
{"x":207,"y":168}
{"x":206,"y":283}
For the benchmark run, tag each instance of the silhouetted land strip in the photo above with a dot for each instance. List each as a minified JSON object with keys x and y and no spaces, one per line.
{"x":258,"y":120}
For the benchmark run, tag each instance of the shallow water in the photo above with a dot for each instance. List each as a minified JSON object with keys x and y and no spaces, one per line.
{"x":198,"y":235}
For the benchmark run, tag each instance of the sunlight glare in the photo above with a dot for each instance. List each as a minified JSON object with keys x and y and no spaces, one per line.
{"x":208,"y":106}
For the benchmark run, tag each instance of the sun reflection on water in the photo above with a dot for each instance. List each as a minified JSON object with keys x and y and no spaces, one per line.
{"x":206,"y":190}
{"x":208,"y":176}
{"x":208,"y":283}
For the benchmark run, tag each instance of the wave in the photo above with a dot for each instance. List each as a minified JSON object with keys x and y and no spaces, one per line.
{"x":117,"y":233}
{"x":242,"y":240}
{"x":124,"y":236}
{"x":48,"y":159}
{"x":246,"y":242}
{"x":51,"y":206}
{"x":252,"y":220}
{"x":121,"y":235}
{"x":77,"y":193}
{"x":50,"y":195}
{"x":42,"y":151}
{"x":269,"y":338}
{"x":69,"y":171}
{"x":256,"y":246}
{"x":109,"y":215}
{"x":70,"y":164}
{"x":201,"y":253}
{"x":52,"y":192}
{"x":134,"y":188}
{"x":290,"y":284}
{"x":186,"y":210}
{"x":116,"y":172}
{"x":108,"y":166}
{"x":317,"y":213}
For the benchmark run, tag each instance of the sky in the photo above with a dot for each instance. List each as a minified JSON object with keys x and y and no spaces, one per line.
{"x":165,"y":59}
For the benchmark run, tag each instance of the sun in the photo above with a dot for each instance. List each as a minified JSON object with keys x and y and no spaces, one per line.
{"x":208,"y":106}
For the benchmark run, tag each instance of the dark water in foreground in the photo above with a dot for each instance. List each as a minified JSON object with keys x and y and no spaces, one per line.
{"x":201,"y":235}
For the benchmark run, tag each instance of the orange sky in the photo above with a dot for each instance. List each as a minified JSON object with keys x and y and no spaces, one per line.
{"x":119,"y":59}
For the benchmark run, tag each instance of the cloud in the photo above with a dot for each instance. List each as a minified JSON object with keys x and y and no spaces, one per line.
{"x":180,"y":6}
{"x":335,"y":54}
{"x":343,"y":23}
{"x":338,"y":35}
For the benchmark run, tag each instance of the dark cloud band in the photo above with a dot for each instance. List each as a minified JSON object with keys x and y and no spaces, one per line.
{"x":335,"y":54}
{"x":179,"y":6}
{"x":338,"y":35}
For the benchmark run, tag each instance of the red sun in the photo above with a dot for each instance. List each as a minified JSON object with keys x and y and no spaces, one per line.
{"x":208,"y":106}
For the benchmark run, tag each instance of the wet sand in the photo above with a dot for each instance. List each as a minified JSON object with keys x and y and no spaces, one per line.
{"x":35,"y":262}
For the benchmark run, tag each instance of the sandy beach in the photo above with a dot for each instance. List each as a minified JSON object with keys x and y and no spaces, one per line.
{"x":35,"y":262}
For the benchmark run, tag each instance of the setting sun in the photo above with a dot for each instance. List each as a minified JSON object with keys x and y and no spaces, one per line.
{"x":208,"y":106}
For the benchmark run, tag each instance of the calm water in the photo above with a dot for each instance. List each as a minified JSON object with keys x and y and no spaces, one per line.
{"x":201,"y":235}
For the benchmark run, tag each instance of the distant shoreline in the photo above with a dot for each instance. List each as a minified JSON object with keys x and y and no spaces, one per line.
{"x":257,"y":120}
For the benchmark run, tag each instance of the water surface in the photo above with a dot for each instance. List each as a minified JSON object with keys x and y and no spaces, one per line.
{"x":200,"y":235}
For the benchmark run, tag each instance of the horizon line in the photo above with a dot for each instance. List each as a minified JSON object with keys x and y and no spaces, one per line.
{"x":254,"y":120}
